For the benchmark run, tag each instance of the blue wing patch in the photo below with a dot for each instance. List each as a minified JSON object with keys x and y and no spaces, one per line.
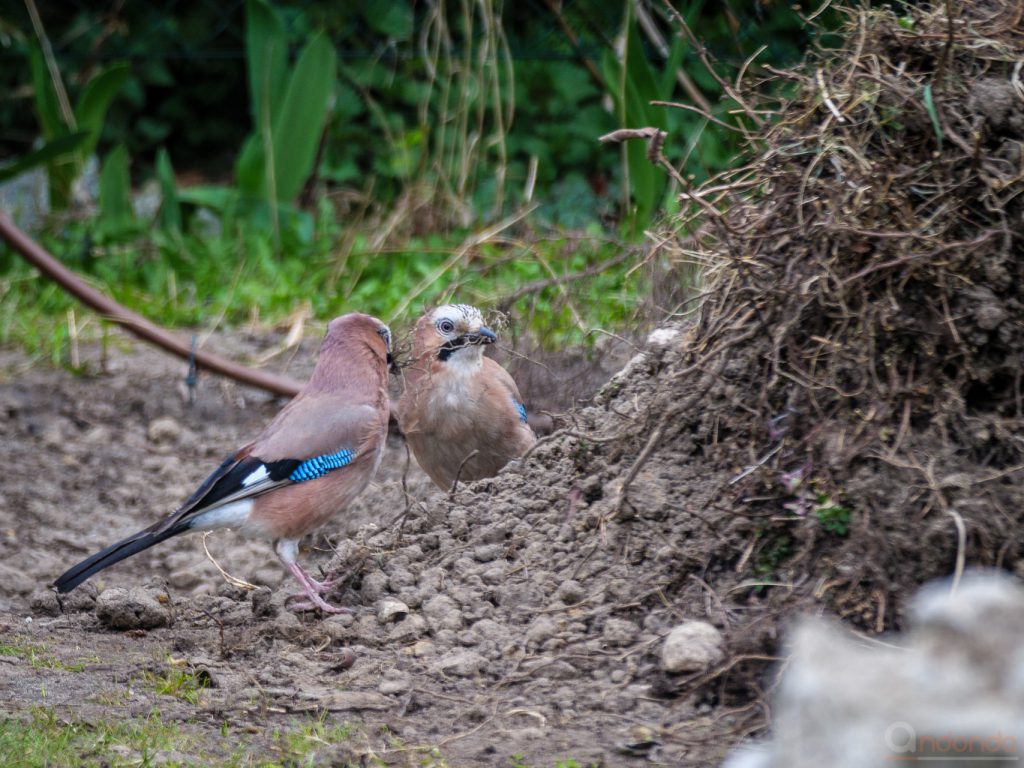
{"x":522,"y":410}
{"x":319,"y":466}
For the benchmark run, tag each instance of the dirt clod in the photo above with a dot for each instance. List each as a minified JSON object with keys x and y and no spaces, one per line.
{"x":135,"y":608}
{"x":693,"y":646}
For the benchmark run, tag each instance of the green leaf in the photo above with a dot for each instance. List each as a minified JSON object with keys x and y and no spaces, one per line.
{"x":640,"y":79}
{"x":115,"y":189}
{"x":929,"y":105}
{"x":214,"y":197}
{"x":297,"y":130}
{"x":47,"y":105}
{"x":675,"y":60}
{"x":249,"y":167}
{"x":95,"y":100}
{"x":170,"y":208}
{"x":56,"y":148}
{"x":266,"y":51}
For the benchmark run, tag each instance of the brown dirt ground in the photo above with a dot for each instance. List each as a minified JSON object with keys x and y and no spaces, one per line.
{"x":534,"y":628}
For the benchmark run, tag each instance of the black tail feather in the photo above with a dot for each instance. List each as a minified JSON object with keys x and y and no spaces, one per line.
{"x":115,"y":553}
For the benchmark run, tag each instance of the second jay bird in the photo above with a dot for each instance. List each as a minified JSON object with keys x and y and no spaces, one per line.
{"x":312,"y":460}
{"x":461,"y":412}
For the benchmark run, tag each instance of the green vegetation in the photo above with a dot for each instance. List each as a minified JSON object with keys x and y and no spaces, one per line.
{"x":834,"y":518}
{"x":389,"y":160}
{"x":42,"y":736}
{"x":39,"y":657}
{"x":180,"y":683}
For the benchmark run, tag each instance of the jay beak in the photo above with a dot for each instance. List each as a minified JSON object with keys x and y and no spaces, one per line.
{"x":309,"y":463}
{"x":461,"y":412}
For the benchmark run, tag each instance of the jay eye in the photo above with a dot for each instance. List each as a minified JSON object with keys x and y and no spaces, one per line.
{"x":446,"y":326}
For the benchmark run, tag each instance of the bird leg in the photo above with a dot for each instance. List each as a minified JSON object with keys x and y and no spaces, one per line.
{"x":312,"y":589}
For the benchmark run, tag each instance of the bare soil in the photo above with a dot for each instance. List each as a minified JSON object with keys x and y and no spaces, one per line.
{"x":535,"y":619}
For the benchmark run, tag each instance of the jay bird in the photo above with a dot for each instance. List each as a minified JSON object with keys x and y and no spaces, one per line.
{"x":312,"y":460}
{"x":461,"y":412}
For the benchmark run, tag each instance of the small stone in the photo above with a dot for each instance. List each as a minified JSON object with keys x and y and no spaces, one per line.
{"x":375,"y":585}
{"x":422,"y":648}
{"x":442,"y":613}
{"x":570,"y":592}
{"x":336,"y":626}
{"x":494,"y":575}
{"x":262,"y":603}
{"x":692,"y":646}
{"x":390,"y":610}
{"x":541,"y":629}
{"x":135,"y":608}
{"x":487,"y":553}
{"x":399,"y":578}
{"x":409,"y":629}
{"x":460,"y":664}
{"x":620,"y":632}
{"x":164,"y":430}
{"x":397,"y":685}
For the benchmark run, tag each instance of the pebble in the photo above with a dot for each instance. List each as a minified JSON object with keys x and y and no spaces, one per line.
{"x":411,"y":628}
{"x":442,"y":613}
{"x":396,"y":685}
{"x":487,"y":553}
{"x":543,"y":628}
{"x":620,"y":632}
{"x":375,"y":585}
{"x":570,"y":592}
{"x":460,"y":664}
{"x":390,"y":610}
{"x":692,"y":646}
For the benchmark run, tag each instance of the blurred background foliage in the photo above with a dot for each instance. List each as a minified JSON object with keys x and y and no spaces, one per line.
{"x":375,"y":155}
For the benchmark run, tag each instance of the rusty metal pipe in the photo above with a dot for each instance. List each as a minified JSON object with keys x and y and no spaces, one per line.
{"x":134,"y":323}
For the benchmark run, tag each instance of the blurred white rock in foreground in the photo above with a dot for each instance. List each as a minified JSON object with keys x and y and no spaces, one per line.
{"x":948,"y":692}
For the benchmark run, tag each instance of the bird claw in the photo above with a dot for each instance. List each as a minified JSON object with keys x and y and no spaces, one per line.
{"x":303,"y":602}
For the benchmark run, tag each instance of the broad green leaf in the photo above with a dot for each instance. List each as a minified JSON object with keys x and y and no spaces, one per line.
{"x":675,"y":60}
{"x":170,"y":209}
{"x":640,"y":78}
{"x":62,"y":169}
{"x":297,"y":130}
{"x":115,"y":189}
{"x":47,"y":106}
{"x":249,"y":167}
{"x":54,"y":149}
{"x":266,"y":50}
{"x":95,"y":100}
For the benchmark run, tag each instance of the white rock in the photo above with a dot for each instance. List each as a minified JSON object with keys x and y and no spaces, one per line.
{"x":955,"y":679}
{"x":460,"y":664}
{"x":691,"y":647}
{"x":663,"y":337}
{"x":390,"y":610}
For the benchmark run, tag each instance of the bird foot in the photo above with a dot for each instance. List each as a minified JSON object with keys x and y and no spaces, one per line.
{"x":302,"y":602}
{"x":310,"y":598}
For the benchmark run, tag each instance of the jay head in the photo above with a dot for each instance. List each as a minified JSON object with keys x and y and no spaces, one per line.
{"x":307,"y":465}
{"x":452,"y":336}
{"x":461,"y":412}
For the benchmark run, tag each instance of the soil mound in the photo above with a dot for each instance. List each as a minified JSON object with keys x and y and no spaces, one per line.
{"x":840,"y":424}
